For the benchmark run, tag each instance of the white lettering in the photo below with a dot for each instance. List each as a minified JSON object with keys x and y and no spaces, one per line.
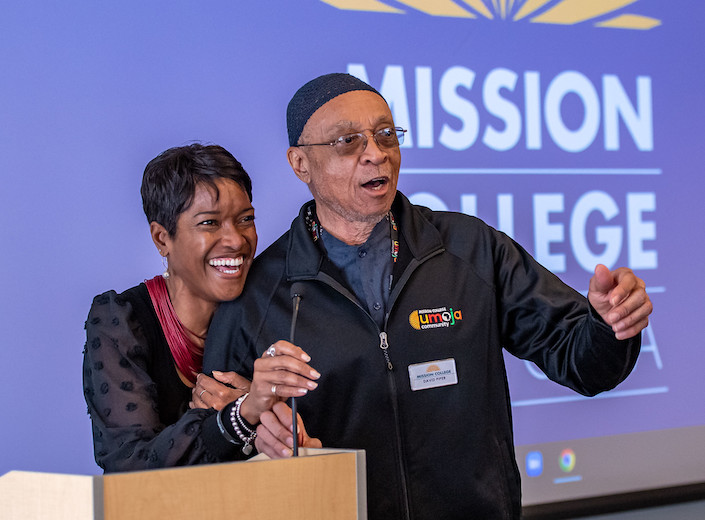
{"x":616,"y":103}
{"x":424,"y":107}
{"x":562,"y":85}
{"x":505,"y":213}
{"x":460,"y":107}
{"x":589,"y":238}
{"x":501,"y":98}
{"x":429,"y":200}
{"x":393,"y":89}
{"x":639,"y":230}
{"x":532,"y":101}
{"x":545,"y":232}
{"x":503,"y":109}
{"x":609,"y":236}
{"x":468,"y":204}
{"x":648,"y":344}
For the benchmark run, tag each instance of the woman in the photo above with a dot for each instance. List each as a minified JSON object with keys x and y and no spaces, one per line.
{"x":149,"y":404}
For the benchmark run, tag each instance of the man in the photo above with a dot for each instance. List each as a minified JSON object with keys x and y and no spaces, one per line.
{"x":394,"y":292}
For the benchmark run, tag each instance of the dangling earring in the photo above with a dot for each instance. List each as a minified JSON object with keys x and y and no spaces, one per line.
{"x":165,"y":263}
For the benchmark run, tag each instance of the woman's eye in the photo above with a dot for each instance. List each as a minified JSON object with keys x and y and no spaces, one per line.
{"x":210,"y":222}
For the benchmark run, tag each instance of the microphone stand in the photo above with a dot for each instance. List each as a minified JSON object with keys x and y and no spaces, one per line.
{"x":296,"y":299}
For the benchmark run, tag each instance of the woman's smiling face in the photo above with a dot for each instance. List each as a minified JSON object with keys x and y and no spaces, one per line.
{"x":214,"y":244}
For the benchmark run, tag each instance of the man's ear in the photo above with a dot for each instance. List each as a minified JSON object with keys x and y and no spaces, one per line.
{"x":160,"y":237}
{"x":299,"y":163}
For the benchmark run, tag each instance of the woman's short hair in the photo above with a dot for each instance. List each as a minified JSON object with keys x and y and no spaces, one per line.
{"x":170,"y":179}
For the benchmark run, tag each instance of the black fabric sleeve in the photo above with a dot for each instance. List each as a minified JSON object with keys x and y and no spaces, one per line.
{"x":122,"y":398}
{"x":227,"y":347}
{"x":545,"y":321}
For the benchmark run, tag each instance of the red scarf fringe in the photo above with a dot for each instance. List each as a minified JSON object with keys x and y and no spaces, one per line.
{"x":186,"y":353}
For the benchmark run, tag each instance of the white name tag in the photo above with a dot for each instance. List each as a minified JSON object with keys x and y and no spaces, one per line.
{"x":433,"y":374}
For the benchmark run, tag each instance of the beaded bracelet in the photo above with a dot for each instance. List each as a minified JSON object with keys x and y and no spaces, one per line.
{"x":244,"y":425}
{"x":235,"y":418}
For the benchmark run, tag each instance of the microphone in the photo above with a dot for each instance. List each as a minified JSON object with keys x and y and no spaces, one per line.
{"x":297,"y":294}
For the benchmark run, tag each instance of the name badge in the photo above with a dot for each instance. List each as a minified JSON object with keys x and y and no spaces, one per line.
{"x":433,"y":374}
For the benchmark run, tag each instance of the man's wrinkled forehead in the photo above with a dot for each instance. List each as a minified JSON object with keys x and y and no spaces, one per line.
{"x":314,"y":95}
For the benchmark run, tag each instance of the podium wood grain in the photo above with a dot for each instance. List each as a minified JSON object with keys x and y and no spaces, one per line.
{"x":330,"y":485}
{"x":289,"y":489}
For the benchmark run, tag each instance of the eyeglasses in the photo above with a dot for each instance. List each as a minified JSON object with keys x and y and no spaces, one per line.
{"x":351,"y":144}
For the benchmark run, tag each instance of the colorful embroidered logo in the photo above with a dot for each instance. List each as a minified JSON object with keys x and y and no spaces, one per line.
{"x":434,"y":318}
{"x":602,"y":13}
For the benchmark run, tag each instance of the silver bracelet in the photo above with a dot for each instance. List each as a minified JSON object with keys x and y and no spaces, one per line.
{"x":223,"y":431}
{"x":234,"y":414}
{"x":240,"y":418}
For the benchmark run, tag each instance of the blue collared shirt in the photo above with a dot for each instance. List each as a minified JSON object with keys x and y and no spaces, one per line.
{"x":367,"y":268}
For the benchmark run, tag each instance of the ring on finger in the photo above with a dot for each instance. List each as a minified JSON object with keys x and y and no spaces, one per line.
{"x":274,"y":389}
{"x":200,"y":395}
{"x":271,"y":351}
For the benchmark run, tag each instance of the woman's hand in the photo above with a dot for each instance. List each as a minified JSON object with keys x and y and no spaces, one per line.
{"x":274,"y":437}
{"x":280,"y":373}
{"x":219,"y":390}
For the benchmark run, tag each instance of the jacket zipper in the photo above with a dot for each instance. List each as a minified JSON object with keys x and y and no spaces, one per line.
{"x":384,"y":345}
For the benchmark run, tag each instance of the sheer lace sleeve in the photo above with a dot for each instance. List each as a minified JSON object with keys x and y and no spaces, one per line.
{"x":122,"y":397}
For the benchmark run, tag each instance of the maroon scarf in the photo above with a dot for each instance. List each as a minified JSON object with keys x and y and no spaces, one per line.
{"x":187,"y":354}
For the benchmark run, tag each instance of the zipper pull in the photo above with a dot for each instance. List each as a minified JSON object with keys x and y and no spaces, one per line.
{"x":384,"y":345}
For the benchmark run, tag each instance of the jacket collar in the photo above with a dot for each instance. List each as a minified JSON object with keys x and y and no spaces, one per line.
{"x":304,"y":258}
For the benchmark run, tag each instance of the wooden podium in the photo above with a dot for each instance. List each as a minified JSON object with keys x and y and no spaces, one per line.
{"x":320,"y":484}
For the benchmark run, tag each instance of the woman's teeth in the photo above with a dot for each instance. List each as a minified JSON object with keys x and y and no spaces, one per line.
{"x":223,"y":263}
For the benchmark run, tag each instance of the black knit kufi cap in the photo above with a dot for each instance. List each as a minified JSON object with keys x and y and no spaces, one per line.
{"x":316,"y":93}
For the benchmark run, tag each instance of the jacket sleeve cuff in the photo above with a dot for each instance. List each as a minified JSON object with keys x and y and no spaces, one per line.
{"x":216,"y":442}
{"x":597,"y":319}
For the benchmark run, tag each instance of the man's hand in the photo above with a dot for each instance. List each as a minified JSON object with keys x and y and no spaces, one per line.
{"x":274,"y":437}
{"x":620,"y":297}
{"x":282,"y":371}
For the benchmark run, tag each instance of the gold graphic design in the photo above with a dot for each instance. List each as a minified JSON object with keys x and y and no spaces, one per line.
{"x":564,"y":12}
{"x":414,"y":320}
